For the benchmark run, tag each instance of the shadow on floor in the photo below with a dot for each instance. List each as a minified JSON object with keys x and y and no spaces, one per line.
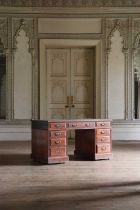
{"x":16,"y":159}
{"x":37,"y":198}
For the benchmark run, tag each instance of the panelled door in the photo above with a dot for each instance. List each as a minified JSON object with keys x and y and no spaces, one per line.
{"x":70,"y":83}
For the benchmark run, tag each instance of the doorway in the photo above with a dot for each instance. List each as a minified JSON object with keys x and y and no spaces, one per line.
{"x":70,"y":83}
{"x":70,"y":54}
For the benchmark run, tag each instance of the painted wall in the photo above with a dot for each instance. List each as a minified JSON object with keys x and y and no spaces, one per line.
{"x":22,"y":78}
{"x":51,"y":28}
{"x":68,"y":25}
{"x":116,"y":79}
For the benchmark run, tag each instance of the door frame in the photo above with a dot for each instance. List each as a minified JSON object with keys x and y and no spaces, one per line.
{"x":69,"y":43}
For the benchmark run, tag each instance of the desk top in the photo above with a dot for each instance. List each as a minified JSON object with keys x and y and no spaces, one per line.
{"x":71,"y":120}
{"x":70,"y":124}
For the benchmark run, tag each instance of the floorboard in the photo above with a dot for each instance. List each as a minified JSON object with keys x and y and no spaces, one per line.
{"x":76,"y":185}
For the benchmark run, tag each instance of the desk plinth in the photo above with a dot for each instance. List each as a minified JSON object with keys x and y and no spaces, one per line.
{"x":92,"y":140}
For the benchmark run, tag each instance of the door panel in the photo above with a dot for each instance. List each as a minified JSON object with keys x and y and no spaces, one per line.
{"x":69,"y":83}
{"x":58,"y":83}
{"x":82,"y":83}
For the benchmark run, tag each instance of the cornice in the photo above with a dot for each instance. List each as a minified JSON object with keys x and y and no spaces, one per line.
{"x":70,"y":10}
{"x":70,"y":3}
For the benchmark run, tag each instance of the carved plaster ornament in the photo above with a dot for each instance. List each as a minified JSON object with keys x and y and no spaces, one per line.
{"x":70,"y":3}
{"x":122,"y":26}
{"x":27,"y":26}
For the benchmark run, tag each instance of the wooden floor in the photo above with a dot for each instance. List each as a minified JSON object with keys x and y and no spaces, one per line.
{"x":76,"y":185}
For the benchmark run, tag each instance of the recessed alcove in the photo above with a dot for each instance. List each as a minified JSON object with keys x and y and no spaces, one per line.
{"x":116,"y":78}
{"x":22,"y":78}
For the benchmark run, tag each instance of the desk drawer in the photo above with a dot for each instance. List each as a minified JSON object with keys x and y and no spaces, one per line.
{"x":103,"y":148}
{"x":103,"y":132}
{"x":58,"y":142}
{"x":57,"y":126}
{"x":57,"y":151}
{"x":102,"y":139}
{"x":103,"y":124}
{"x":57,"y":134}
{"x":80,"y":125}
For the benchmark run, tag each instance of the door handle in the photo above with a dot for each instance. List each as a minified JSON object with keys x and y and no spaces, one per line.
{"x":68,"y":102}
{"x":71,"y":102}
{"x":71,"y":99}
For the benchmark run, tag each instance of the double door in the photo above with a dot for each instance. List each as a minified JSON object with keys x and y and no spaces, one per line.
{"x":70,"y":83}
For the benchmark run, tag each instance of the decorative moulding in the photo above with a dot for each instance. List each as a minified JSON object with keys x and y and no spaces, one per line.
{"x":4,"y":32}
{"x":23,"y":24}
{"x":70,"y":3}
{"x":122,"y":26}
{"x":136,"y":34}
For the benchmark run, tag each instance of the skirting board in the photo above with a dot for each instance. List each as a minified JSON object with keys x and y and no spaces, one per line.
{"x":126,"y":132}
{"x":15,"y":133}
{"x":23,"y":132}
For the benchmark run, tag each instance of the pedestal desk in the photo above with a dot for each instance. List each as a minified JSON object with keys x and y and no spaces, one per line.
{"x":92,"y":140}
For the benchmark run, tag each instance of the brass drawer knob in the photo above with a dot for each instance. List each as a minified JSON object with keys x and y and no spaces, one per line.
{"x":102,"y":124}
{"x":57,"y":125}
{"x":103,"y":148}
{"x":57,"y":141}
{"x":58,"y":134}
{"x":102,"y":132}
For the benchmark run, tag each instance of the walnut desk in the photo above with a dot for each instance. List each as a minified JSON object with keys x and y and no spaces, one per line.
{"x":92,"y":139}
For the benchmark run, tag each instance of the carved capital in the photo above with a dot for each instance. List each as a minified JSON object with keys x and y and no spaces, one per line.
{"x":125,"y":50}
